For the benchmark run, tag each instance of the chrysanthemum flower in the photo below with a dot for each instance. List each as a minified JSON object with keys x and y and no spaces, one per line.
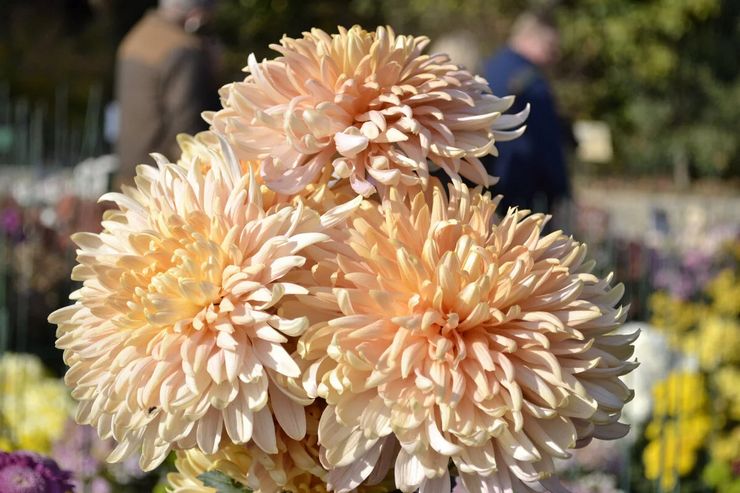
{"x":176,"y":337}
{"x":295,"y":468}
{"x":490,"y":344}
{"x":231,"y":460}
{"x":369,"y":106}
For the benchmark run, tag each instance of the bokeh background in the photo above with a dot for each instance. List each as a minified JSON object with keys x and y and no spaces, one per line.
{"x":651,"y":96}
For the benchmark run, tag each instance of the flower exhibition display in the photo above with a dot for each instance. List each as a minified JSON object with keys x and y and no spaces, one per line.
{"x":299,"y":304}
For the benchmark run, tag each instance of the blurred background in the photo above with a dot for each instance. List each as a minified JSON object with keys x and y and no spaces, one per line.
{"x":648,"y":97}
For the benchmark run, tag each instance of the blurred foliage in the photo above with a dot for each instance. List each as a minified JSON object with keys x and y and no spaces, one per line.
{"x":662,"y":73}
{"x":250,"y":26}
{"x":47,"y":46}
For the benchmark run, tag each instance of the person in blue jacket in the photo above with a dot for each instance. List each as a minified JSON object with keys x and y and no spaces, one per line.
{"x":532,"y":168}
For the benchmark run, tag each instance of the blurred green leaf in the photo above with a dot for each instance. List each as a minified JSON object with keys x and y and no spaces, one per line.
{"x":221,"y":482}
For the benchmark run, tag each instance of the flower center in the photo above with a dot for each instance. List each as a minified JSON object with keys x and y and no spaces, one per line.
{"x":186,"y":284}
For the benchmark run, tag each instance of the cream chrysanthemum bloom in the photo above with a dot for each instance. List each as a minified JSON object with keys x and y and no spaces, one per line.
{"x":369,"y":106}
{"x":487,"y":343}
{"x":176,"y":336}
{"x":231,"y":460}
{"x":295,"y":468}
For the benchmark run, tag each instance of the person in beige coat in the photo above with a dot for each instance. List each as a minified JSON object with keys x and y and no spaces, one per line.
{"x":164,"y":80}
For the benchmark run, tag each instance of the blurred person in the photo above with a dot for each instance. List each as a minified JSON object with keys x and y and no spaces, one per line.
{"x":532,"y":168}
{"x":165,"y":78}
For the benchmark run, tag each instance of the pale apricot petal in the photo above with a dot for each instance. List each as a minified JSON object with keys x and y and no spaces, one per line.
{"x":350,"y":145}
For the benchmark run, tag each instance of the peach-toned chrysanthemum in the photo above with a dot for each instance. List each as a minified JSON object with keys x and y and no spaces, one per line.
{"x":370,"y":106}
{"x":231,"y":460}
{"x":490,"y":344}
{"x":175,"y":337}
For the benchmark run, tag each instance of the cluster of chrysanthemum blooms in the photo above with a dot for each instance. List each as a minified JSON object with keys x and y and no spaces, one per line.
{"x":297,"y":303}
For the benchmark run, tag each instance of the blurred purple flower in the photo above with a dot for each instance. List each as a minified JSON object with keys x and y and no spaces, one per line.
{"x":82,"y":452}
{"x":676,"y":282}
{"x":100,"y":485}
{"x":683,"y":261}
{"x":126,"y":470}
{"x":28,"y":472}
{"x":11,"y":222}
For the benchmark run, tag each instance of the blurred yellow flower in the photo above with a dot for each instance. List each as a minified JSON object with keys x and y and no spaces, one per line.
{"x":678,"y":429}
{"x":674,"y":453}
{"x":680,"y":394}
{"x":33,"y":407}
{"x":725,"y":293}
{"x":716,"y":342}
{"x":727,"y":384}
{"x":709,"y":331}
{"x":726,"y":448}
{"x":674,"y":316}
